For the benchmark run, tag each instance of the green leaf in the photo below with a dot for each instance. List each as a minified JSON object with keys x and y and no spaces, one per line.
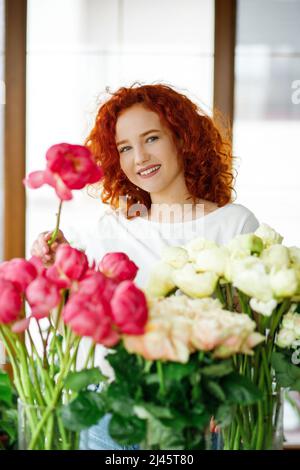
{"x":240,"y":390}
{"x":5,"y":388}
{"x":216,"y":390}
{"x":77,"y":381}
{"x":218,"y":370}
{"x":157,"y":411}
{"x":127,"y":431}
{"x":160,"y":436}
{"x":287,"y":374}
{"x":224,"y":414}
{"x":9,"y":423}
{"x":84,"y":411}
{"x":126,"y":366}
{"x":174,"y":371}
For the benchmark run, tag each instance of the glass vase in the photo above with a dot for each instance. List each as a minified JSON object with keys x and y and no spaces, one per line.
{"x":40,"y":430}
{"x":255,"y":427}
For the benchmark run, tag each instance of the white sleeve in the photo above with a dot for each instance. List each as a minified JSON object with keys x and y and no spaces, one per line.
{"x":251,"y":224}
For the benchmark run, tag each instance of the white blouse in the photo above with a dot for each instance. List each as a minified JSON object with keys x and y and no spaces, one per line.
{"x":143,"y":240}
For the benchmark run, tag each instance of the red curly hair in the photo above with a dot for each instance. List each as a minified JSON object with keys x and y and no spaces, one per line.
{"x":206,"y":155}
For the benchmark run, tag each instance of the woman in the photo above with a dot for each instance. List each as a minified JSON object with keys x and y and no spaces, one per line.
{"x":167,"y":179}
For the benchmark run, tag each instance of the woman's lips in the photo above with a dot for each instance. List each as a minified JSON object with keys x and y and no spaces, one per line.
{"x":152,"y":173}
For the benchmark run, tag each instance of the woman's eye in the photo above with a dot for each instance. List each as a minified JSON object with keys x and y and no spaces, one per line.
{"x":152,"y":138}
{"x":124,"y":149}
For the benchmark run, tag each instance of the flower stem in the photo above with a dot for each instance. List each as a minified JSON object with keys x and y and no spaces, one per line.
{"x":159,"y":369}
{"x":55,"y":231}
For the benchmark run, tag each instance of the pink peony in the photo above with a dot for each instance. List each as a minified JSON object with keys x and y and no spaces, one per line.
{"x":129,"y":308}
{"x":68,"y":167}
{"x":88,"y":317}
{"x":10,"y":302}
{"x":42,"y":296}
{"x":91,"y":285}
{"x":118,"y":267}
{"x":38,"y":264}
{"x":70,"y":265}
{"x":19,"y":271}
{"x":95,"y":285}
{"x":21,"y":325}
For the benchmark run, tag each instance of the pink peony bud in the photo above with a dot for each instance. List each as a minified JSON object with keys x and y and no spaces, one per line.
{"x":70,"y":265}
{"x":129,"y":308}
{"x":19,"y":271}
{"x":118,"y":267}
{"x":89,"y":318}
{"x":10,"y":302}
{"x":42,"y":296}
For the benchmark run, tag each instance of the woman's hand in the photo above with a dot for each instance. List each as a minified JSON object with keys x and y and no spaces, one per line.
{"x":42,"y":250}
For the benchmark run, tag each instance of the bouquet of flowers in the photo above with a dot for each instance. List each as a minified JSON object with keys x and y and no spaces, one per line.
{"x":46,"y":312}
{"x":256,"y":275}
{"x":169,"y":381}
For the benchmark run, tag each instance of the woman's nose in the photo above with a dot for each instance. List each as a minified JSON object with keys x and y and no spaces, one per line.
{"x":141,"y":156}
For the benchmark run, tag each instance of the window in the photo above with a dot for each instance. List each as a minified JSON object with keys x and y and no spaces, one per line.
{"x":267,"y":114}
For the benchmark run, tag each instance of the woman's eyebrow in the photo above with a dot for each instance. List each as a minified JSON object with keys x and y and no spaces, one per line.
{"x":141,"y":135}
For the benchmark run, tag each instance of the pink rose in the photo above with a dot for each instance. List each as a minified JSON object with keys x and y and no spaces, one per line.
{"x":129,"y":308}
{"x":42,"y":296}
{"x":118,"y":267}
{"x":68,"y":167}
{"x":70,"y":265}
{"x":88,"y":317}
{"x":10,"y":302}
{"x":19,"y":271}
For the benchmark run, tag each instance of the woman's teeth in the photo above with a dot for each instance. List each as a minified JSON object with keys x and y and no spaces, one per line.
{"x":150,"y":170}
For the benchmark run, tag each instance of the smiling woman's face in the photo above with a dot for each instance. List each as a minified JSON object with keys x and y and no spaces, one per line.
{"x":148,"y":155}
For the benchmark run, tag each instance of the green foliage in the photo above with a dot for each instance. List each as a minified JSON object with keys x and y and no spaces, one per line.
{"x":8,"y":413}
{"x":5,"y":389}
{"x":84,"y":411}
{"x":240,"y":390}
{"x":77,"y":381}
{"x":287,"y":374}
{"x":161,"y":405}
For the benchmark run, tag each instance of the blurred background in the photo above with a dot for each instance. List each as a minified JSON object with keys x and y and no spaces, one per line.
{"x":58,"y":58}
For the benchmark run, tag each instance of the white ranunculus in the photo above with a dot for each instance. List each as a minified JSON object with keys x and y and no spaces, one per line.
{"x":268,"y":235}
{"x":288,"y":321}
{"x":249,"y":275}
{"x":247,"y":242}
{"x":285,"y":338}
{"x":194,"y":284}
{"x":198,"y":244}
{"x":297,"y":324}
{"x":160,"y":281}
{"x":176,"y":256}
{"x":265,"y":308}
{"x":212,"y":259}
{"x":294,"y":252}
{"x":276,"y":257}
{"x":284,"y":283}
